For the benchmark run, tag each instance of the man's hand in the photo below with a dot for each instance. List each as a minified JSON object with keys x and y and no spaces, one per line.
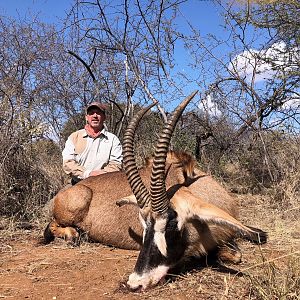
{"x":97,"y":172}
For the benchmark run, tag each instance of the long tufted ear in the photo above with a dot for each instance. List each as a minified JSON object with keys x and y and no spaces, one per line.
{"x":190,"y":207}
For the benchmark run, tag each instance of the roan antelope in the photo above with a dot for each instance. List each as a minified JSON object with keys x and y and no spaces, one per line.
{"x":177,"y":212}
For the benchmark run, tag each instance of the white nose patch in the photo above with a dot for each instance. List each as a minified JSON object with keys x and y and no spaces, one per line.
{"x":147,"y":279}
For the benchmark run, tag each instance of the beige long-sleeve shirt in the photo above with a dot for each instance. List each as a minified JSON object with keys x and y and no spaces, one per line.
{"x":83,"y":154}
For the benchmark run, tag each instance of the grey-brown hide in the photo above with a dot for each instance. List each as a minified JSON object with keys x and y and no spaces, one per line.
{"x":205,"y":238}
{"x":184,"y":213}
{"x":177,"y":222}
{"x":90,"y":205}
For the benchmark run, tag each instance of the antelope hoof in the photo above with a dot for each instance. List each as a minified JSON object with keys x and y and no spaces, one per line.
{"x":54,"y":230}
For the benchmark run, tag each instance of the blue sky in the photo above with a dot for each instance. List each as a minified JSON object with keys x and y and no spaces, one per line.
{"x":48,"y":10}
{"x":200,"y":12}
{"x":204,"y":15}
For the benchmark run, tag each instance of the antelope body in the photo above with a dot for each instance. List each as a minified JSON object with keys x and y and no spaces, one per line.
{"x":178,"y":211}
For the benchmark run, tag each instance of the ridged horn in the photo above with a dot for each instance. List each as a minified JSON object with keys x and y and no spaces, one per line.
{"x":137,"y":186}
{"x":159,"y":200}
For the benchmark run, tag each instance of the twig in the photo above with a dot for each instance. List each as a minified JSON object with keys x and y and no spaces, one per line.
{"x":271,"y":260}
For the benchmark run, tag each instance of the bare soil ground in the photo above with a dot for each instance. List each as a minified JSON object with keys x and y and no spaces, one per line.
{"x":30,"y":270}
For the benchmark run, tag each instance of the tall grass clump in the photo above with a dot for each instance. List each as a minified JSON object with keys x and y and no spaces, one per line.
{"x":277,"y":281}
{"x":267,"y":164}
{"x":30,"y":175}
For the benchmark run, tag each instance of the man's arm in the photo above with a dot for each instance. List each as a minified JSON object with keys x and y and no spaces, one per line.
{"x":116,"y":157}
{"x":70,"y":165}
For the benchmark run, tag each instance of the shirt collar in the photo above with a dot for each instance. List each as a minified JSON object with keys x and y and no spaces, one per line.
{"x":103,"y":133}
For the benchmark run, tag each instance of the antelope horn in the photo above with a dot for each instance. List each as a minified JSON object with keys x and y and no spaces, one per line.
{"x":137,"y":186}
{"x":159,"y":200}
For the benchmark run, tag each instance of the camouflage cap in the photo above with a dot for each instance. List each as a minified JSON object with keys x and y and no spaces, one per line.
{"x":101,"y":106}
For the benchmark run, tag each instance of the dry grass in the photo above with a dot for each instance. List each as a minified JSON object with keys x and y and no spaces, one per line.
{"x":270,"y":271}
{"x":276,"y":280}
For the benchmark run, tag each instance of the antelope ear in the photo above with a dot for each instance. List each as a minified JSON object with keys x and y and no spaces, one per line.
{"x":127,"y":200}
{"x":191,"y":207}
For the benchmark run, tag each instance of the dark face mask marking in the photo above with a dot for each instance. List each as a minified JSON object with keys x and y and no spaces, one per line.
{"x":150,"y":256}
